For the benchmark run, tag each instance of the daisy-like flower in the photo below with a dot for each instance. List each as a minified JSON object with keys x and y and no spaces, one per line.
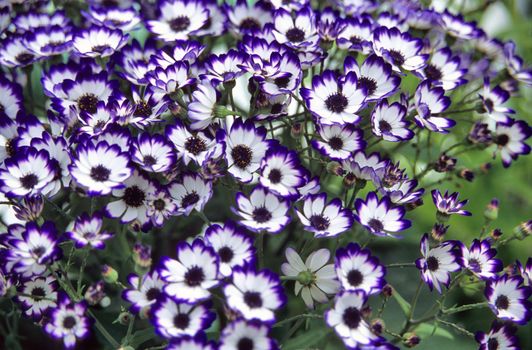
{"x":247,"y":18}
{"x":248,"y":335}
{"x":87,"y":231}
{"x":38,"y":295}
{"x":49,"y":41}
{"x":174,"y":319}
{"x":125,"y":19}
{"x":515,"y":64}
{"x":510,"y":139}
{"x":388,"y":121}
{"x":363,"y":167}
{"x":356,"y":34}
{"x":347,"y":320}
{"x":233,"y":246}
{"x":153,"y":153}
{"x":493,"y":102}
{"x":500,"y":337}
{"x":479,"y":259}
{"x":160,"y":207}
{"x":375,"y":75}
{"x":322,"y":218}
{"x":357,"y":269}
{"x":192,"y":274}
{"x":224,"y":67}
{"x":91,"y":167}
{"x":282,"y":173}
{"x":298,"y":31}
{"x":201,"y":111}
{"x":181,"y":51}
{"x":11,"y":99}
{"x":94,"y":123}
{"x":314,"y":278}
{"x":254,"y":294}
{"x":245,"y":146}
{"x":191,"y":146}
{"x":399,"y":49}
{"x":192,"y":343}
{"x":444,"y":70}
{"x":145,"y":292}
{"x":262,"y":211}
{"x":508,"y":299}
{"x":98,"y":41}
{"x":456,"y":26}
{"x":191,"y":192}
{"x":339,"y":141}
{"x":177,"y":19}
{"x":30,"y":20}
{"x":26,"y":173}
{"x":402,"y":192}
{"x":287,"y":77}
{"x":14,"y":53}
{"x":333,"y":99}
{"x":380,"y":217}
{"x":429,"y":101}
{"x":170,"y":79}
{"x":448,"y":204}
{"x":437,"y":263}
{"x":68,"y":322}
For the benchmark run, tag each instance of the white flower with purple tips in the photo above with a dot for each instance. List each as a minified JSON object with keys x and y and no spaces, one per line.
{"x":380,"y":217}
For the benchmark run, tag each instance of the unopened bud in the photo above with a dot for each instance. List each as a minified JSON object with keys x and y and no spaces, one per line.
{"x":377,"y":326}
{"x":492,"y":210}
{"x":496,"y":233}
{"x":144,"y":313}
{"x":438,"y":231}
{"x":350,"y":180}
{"x":95,"y":293}
{"x":335,"y":168}
{"x":411,"y":339}
{"x":109,"y":274}
{"x":142,"y":255}
{"x":485,"y":168}
{"x":296,"y":131}
{"x":387,"y":291}
{"x":523,"y":230}
{"x":366,"y":311}
{"x":445,"y":164}
{"x":466,"y":174}
{"x":124,"y":318}
{"x":413,"y":205}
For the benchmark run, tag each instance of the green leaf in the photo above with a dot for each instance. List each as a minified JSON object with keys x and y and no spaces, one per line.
{"x":142,"y":336}
{"x":405,"y":305}
{"x":306,"y":340}
{"x":426,"y":330}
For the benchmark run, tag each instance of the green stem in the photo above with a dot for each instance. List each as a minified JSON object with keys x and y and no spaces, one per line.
{"x":260,"y":248}
{"x":294,"y":318}
{"x":400,"y":265}
{"x":455,"y":310}
{"x":456,"y":327}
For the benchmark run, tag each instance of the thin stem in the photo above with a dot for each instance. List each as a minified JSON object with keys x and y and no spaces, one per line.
{"x":260,"y":248}
{"x":297,"y":317}
{"x":455,"y":310}
{"x":400,"y":265}
{"x":456,"y":327}
{"x":104,"y":331}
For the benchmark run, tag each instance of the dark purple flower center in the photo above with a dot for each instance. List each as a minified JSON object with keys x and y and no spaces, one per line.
{"x":474,"y":265}
{"x":245,"y":344}
{"x":355,"y":40}
{"x":250,"y":24}
{"x":190,"y":199}
{"x":88,"y":103}
{"x":488,"y":104}
{"x":376,"y":225}
{"x":100,"y":48}
{"x":336,"y":102}
{"x":226,"y":254}
{"x":38,"y":292}
{"x":336,"y":143}
{"x":153,"y":293}
{"x":397,"y":57}
{"x":433,"y":72}
{"x":319,"y":222}
{"x":24,"y":58}
{"x":261,"y":215}
{"x":295,"y":35}
{"x":69,"y":322}
{"x":276,"y":108}
{"x":275,"y":176}
{"x":384,"y":126}
{"x":29,"y":181}
{"x":355,"y":278}
{"x":502,"y":302}
{"x":38,"y":251}
{"x":159,"y":204}
{"x":493,"y":344}
{"x":352,"y":317}
{"x":142,"y":109}
{"x":432,"y":263}
{"x":369,"y":83}
{"x":181,"y":321}
{"x":282,"y":82}
{"x":194,"y":276}
{"x":180,"y":23}
{"x":149,"y":160}
{"x":100,"y":173}
{"x":502,"y":140}
{"x":241,"y":155}
{"x":253,"y":299}
{"x":195,"y":145}
{"x":134,"y":196}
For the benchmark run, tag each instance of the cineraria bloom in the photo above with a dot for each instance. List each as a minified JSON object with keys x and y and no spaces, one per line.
{"x":388,"y":121}
{"x":49,"y":41}
{"x":30,"y":20}
{"x":14,"y":53}
{"x":515,"y":64}
{"x":437,"y":263}
{"x":11,"y":100}
{"x":247,"y":18}
{"x":125,"y":19}
{"x":375,"y":75}
{"x":224,"y":67}
{"x":363,"y":167}
{"x":254,"y":294}
{"x":94,"y":123}
{"x":173,"y":319}
{"x":135,"y":60}
{"x":191,"y":146}
{"x":145,"y":292}
{"x":508,"y":298}
{"x":160,"y":206}
{"x":287,"y":77}
{"x":191,"y":192}
{"x":201,"y":111}
{"x":335,"y":99}
{"x":525,"y":271}
{"x":87,"y":230}
{"x":91,"y":167}
{"x":98,"y":41}
{"x":177,"y":19}
{"x":324,"y":220}
{"x":429,"y":101}
{"x":510,"y":139}
{"x":281,"y":172}
{"x":56,"y":75}
{"x":148,"y":108}
{"x":339,"y":141}
{"x":380,"y":217}
{"x":493,"y":100}
{"x":245,"y":146}
{"x":153,"y":153}
{"x":404,"y":191}
{"x":68,"y":322}
{"x":191,"y":343}
{"x":27,"y":173}
{"x":233,"y":246}
{"x":456,"y":26}
{"x":449,"y":204}
{"x":170,"y":79}
{"x":357,"y":269}
{"x":133,"y":198}
{"x":297,"y":32}
{"x":194,"y":271}
{"x":347,"y":319}
{"x":262,"y":211}
{"x":248,"y":335}
{"x":443,"y":70}
{"x":356,"y":34}
{"x":181,"y":51}
{"x":314,"y":278}
{"x":480,"y":260}
{"x":38,"y":295}
{"x":500,"y":337}
{"x":399,"y":49}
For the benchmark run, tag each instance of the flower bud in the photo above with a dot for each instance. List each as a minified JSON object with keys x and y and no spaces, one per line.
{"x":413,"y":205}
{"x":445,"y":163}
{"x":387,"y":291}
{"x":523,"y":230}
{"x":109,"y":274}
{"x":480,"y":134}
{"x":366,"y":311}
{"x":124,"y":318}
{"x":442,"y":217}
{"x":377,"y":326}
{"x":496,"y":233}
{"x":349,"y":180}
{"x":466,"y":174}
{"x":485,"y":168}
{"x":95,"y":293}
{"x":335,"y":168}
{"x":305,"y":278}
{"x":438,"y":231}
{"x":410,"y":339}
{"x":29,"y":209}
{"x":296,"y":131}
{"x":142,"y":255}
{"x":492,"y":210}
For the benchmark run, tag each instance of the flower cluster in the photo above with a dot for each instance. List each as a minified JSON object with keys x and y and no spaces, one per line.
{"x":278,"y":126}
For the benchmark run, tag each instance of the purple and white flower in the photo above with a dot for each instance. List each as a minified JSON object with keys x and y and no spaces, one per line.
{"x":298,"y":31}
{"x":87,"y":231}
{"x":196,"y":146}
{"x":145,"y":292}
{"x":388,"y":122}
{"x":38,"y":295}
{"x":444,"y":70}
{"x":98,"y":41}
{"x":363,"y":167}
{"x":201,"y":111}
{"x":399,"y":49}
{"x":339,"y":142}
{"x":510,"y":139}
{"x":68,"y":322}
{"x":125,"y":19}
{"x":448,"y":204}
{"x":189,"y":193}
{"x":281,"y":172}
{"x":178,"y":19}
{"x":247,"y":18}
{"x":479,"y":259}
{"x":322,"y":218}
{"x":493,"y":102}
{"x":249,"y":335}
{"x":430,"y":101}
{"x":356,"y":34}
{"x":508,"y":299}
{"x":153,"y":153}
{"x":500,"y":337}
